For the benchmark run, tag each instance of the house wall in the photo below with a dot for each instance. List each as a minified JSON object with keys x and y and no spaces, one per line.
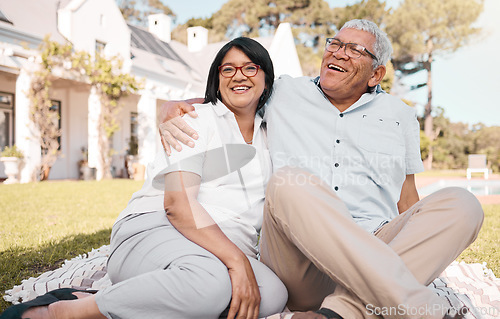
{"x":74,"y":135}
{"x":96,"y":20}
{"x":82,"y":22}
{"x":122,"y":136}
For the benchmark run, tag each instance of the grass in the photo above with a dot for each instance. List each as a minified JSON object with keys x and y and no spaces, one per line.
{"x":39,"y":213}
{"x":45,"y":223}
{"x":449,"y":173}
{"x":486,"y":248}
{"x":444,"y":173}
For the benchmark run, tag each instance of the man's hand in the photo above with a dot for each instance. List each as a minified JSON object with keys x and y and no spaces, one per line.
{"x":173,"y":128}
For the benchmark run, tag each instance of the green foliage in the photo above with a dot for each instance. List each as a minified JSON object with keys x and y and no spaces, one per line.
{"x":425,"y":144}
{"x":486,"y":140}
{"x":373,"y":10}
{"x":455,"y":141}
{"x":448,"y":24}
{"x":388,"y":79}
{"x":12,"y":152}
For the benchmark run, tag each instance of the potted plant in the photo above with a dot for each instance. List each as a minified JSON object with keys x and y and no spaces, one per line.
{"x":84,"y":171}
{"x":12,"y":159}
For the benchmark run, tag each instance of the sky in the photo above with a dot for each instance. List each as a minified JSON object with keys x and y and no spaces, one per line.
{"x":465,"y":83}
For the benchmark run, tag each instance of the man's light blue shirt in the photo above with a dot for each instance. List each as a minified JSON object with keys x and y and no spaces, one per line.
{"x":363,"y":153}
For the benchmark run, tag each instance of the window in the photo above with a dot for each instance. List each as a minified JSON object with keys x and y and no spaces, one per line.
{"x":6,"y":119}
{"x":134,"y":138}
{"x":99,"y":47}
{"x":56,"y":107}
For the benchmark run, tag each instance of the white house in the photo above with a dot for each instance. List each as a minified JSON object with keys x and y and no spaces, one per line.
{"x":171,"y":70}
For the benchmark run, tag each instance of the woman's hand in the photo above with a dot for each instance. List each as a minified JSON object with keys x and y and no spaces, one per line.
{"x":245,"y":300}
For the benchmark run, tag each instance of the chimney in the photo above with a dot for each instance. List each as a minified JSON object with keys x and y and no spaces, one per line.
{"x":160,"y":25}
{"x":197,"y":38}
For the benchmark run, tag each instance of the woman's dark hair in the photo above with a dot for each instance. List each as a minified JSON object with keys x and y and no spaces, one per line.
{"x":256,"y":53}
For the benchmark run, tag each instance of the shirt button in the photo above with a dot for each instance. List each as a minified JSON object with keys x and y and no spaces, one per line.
{"x":338,"y":141}
{"x":341,"y":114}
{"x":336,"y":164}
{"x":336,"y":188}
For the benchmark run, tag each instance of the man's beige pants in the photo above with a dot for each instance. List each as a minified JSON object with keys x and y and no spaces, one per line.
{"x":325,"y":259}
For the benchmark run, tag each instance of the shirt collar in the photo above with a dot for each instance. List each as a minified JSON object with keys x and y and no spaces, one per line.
{"x":365,"y":98}
{"x":221,"y":110}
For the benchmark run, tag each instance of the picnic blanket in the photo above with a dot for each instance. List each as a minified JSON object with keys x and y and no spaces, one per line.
{"x":471,"y":285}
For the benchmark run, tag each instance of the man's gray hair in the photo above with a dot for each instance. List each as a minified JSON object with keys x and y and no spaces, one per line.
{"x":382,"y":48}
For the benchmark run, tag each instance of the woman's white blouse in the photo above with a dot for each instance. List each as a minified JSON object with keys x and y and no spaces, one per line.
{"x":233,"y":175}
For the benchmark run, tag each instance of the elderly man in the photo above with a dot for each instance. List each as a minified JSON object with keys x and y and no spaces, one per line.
{"x":344,"y":228}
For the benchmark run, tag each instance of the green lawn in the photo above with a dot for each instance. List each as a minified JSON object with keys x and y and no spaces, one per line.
{"x":43,"y":224}
{"x":486,"y":248}
{"x":445,"y":173}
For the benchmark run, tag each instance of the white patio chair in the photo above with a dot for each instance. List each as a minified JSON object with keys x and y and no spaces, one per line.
{"x":477,"y":164}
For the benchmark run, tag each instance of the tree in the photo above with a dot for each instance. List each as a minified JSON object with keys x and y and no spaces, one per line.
{"x":423,"y":29}
{"x":311,"y":20}
{"x":137,"y":11}
{"x":372,"y":10}
{"x":485,"y":140}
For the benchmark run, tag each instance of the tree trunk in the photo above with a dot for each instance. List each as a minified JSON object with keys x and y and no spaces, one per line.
{"x":428,"y":123}
{"x":44,"y":174}
{"x":104,"y":145}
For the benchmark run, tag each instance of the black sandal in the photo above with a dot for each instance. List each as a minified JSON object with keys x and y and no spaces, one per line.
{"x":328,"y":313}
{"x":16,"y":311}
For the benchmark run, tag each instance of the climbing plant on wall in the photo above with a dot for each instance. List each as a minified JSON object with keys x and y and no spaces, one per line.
{"x":102,"y":73}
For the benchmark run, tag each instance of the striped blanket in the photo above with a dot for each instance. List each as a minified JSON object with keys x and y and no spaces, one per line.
{"x":471,"y":285}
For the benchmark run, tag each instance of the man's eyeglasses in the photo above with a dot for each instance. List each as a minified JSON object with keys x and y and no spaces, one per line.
{"x":249,"y":70}
{"x":352,"y":50}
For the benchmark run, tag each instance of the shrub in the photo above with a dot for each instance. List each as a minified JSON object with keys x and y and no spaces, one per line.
{"x":12,"y":152}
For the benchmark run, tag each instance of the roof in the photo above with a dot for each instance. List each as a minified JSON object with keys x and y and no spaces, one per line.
{"x":162,"y":61}
{"x":39,"y":20}
{"x":4,"y":18}
{"x":147,"y":41}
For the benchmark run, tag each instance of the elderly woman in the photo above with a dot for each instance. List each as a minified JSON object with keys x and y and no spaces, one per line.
{"x":186,"y":244}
